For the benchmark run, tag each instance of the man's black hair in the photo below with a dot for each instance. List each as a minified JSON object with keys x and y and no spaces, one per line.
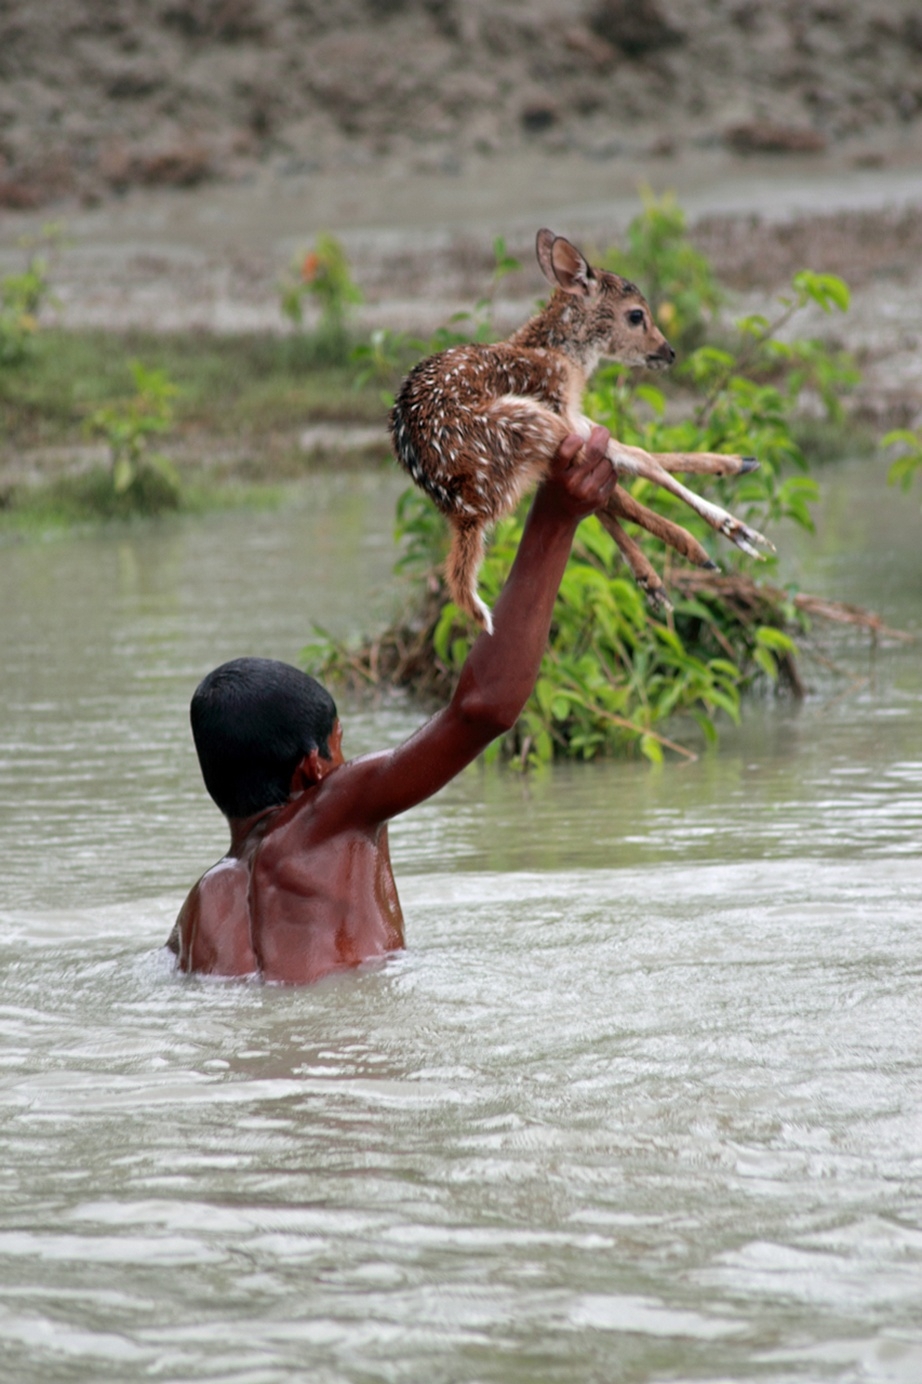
{"x":253,"y":721}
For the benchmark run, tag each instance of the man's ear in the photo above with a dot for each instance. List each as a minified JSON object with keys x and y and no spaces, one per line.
{"x":308,"y":773}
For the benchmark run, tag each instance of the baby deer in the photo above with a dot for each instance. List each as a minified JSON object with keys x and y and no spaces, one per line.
{"x":477,"y":426}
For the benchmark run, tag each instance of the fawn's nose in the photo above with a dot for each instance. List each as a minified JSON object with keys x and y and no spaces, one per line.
{"x":663,"y":355}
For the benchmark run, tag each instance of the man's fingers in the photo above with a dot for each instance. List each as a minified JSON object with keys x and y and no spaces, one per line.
{"x":569,"y":449}
{"x":597,"y":445}
{"x":599,"y":471}
{"x":609,"y":481}
{"x":594,"y":448}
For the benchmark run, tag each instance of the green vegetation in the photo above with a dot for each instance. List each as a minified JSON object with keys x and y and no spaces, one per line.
{"x":235,"y":419}
{"x":21,"y":297}
{"x":909,"y":446}
{"x":247,"y":386}
{"x":141,"y":480}
{"x":616,"y":677}
{"x":615,"y":674}
{"x":322,"y":275}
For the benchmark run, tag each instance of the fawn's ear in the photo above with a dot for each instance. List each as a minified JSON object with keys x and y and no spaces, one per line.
{"x":563,"y":265}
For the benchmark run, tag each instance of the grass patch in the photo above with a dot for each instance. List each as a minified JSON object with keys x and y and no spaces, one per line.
{"x":237,"y":386}
{"x":87,"y":499}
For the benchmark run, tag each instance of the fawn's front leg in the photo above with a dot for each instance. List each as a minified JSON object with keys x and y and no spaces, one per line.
{"x":634,"y":461}
{"x":704,"y":463}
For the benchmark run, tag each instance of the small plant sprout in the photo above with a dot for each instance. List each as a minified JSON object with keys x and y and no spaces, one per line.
{"x":321,"y":276}
{"x":138,"y":474}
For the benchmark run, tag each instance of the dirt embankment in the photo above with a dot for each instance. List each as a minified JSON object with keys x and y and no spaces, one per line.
{"x":100,"y":95}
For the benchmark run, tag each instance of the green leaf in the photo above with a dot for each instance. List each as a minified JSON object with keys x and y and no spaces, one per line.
{"x":122,"y":475}
{"x":768,"y":637}
{"x":653,"y":397}
{"x":903,"y":470}
{"x":827,"y":290}
{"x":901,"y":435}
{"x":727,"y":702}
{"x":706,"y":724}
{"x":443,"y":631}
{"x":651,"y":749}
{"x":543,"y":747}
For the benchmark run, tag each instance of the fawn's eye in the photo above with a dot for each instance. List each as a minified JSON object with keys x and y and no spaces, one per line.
{"x":635,"y":317}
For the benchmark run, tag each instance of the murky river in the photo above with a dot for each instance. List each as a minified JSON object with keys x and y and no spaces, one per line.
{"x":641,"y":1101}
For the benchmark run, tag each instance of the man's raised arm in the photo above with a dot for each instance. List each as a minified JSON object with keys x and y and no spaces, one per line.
{"x":501,"y":669}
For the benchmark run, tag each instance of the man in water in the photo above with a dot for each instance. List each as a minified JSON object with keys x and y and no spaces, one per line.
{"x":306,"y":887}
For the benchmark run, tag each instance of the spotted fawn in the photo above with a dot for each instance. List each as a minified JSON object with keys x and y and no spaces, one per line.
{"x":477,"y":426}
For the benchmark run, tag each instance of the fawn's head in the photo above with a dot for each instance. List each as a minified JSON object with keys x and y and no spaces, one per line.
{"x":596,"y":314}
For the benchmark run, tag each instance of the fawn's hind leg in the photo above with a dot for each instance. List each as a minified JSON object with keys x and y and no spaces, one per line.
{"x":642,"y":569}
{"x":622,"y":505}
{"x":507,"y":452}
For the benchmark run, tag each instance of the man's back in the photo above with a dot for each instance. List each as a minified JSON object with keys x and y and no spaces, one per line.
{"x":304,"y":892}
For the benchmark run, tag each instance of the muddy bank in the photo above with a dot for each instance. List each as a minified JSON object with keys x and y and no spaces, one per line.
{"x":97,"y":97}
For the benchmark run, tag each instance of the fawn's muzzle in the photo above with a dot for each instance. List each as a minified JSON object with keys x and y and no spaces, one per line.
{"x":662,"y":357}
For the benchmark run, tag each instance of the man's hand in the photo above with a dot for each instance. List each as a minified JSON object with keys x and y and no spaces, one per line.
{"x":581,"y":478}
{"x":501,"y":668}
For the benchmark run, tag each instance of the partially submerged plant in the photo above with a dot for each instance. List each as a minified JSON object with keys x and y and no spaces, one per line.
{"x":144,"y":480}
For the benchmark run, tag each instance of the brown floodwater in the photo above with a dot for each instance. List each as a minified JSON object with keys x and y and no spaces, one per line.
{"x":641,"y":1100}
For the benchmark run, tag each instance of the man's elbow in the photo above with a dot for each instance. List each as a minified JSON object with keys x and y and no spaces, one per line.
{"x":490,"y":716}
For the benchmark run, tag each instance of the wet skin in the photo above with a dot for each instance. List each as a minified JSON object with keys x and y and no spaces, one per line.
{"x":306,"y":888}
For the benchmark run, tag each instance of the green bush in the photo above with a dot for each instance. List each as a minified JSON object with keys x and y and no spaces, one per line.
{"x":21,"y":299}
{"x":321,"y":275}
{"x":140,"y":481}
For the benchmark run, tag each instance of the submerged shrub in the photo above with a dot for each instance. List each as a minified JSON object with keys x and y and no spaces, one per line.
{"x":140,"y":481}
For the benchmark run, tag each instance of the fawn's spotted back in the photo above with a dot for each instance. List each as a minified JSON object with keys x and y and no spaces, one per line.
{"x":460,"y":432}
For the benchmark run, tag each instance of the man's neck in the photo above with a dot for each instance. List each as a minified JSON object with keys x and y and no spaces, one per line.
{"x":245,"y":831}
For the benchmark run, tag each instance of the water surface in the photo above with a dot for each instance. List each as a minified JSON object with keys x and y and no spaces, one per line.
{"x":641,"y":1101}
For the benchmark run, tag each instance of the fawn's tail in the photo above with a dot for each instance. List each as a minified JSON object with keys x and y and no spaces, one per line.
{"x":461,"y":567}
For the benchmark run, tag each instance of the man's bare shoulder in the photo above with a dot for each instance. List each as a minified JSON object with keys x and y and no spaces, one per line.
{"x":222,"y":883}
{"x":213,"y":926}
